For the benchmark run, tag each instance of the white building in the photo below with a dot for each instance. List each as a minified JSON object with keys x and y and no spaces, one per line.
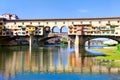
{"x":9,"y":16}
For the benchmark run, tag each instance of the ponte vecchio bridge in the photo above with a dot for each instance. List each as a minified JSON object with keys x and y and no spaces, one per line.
{"x":79,"y":30}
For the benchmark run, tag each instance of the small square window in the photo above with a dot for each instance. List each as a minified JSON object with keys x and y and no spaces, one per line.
{"x":72,"y":22}
{"x":55,"y":22}
{"x":23,"y":32}
{"x":46,"y":22}
{"x":99,"y":22}
{"x":64,"y":22}
{"x":14,"y":22}
{"x":30,"y":22}
{"x":90,"y":22}
{"x":22,"y":23}
{"x":38,"y":22}
{"x":81,"y":22}
{"x":118,"y":21}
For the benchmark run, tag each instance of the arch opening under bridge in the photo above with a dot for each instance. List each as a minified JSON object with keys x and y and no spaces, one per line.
{"x":83,"y":39}
{"x":53,"y":35}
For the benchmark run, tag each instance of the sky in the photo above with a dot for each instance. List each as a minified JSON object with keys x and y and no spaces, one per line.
{"x":60,"y":8}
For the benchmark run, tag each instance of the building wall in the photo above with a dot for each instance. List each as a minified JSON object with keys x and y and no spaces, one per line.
{"x":64,"y":22}
{"x":1,"y":26}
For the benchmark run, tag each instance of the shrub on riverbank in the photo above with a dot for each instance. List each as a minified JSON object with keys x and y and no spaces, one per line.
{"x":110,"y":45}
{"x":118,"y":47}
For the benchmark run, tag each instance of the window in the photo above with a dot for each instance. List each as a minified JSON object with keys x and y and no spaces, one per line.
{"x":23,"y":32}
{"x":14,"y":22}
{"x":36,"y":28}
{"x":99,"y":22}
{"x":46,"y":22}
{"x":19,"y":26}
{"x":38,"y":22}
{"x":107,"y":32}
{"x":72,"y":22}
{"x":26,"y":31}
{"x":30,"y":22}
{"x":81,"y":22}
{"x":3,"y":33}
{"x":22,"y":23}
{"x":55,"y":22}
{"x":7,"y":32}
{"x":23,"y":29}
{"x":12,"y":33}
{"x":64,"y":22}
{"x":108,"y":22}
{"x":112,"y":32}
{"x":90,"y":22}
{"x":19,"y":33}
{"x":118,"y":21}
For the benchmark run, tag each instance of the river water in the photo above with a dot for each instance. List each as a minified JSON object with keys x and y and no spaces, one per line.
{"x":52,"y":63}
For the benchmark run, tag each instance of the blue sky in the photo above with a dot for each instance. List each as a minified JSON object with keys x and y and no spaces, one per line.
{"x":60,"y":8}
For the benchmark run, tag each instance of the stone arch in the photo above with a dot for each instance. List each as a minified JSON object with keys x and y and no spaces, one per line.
{"x":101,"y":38}
{"x":55,"y":29}
{"x":64,"y":29}
{"x":43,"y":40}
{"x":47,"y":29}
{"x":85,"y":38}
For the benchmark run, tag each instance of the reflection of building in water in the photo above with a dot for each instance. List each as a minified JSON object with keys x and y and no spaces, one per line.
{"x":42,"y":62}
{"x":75,"y":61}
{"x":47,"y":60}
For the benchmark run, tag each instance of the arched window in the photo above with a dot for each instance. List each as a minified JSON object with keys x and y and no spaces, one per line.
{"x":55,"y":29}
{"x":64,"y":29}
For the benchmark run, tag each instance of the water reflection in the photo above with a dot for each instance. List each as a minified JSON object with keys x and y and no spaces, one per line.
{"x":48,"y":59}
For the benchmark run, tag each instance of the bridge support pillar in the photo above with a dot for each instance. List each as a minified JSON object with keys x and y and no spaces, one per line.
{"x":79,"y":41}
{"x":30,"y":41}
{"x":88,"y":44}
